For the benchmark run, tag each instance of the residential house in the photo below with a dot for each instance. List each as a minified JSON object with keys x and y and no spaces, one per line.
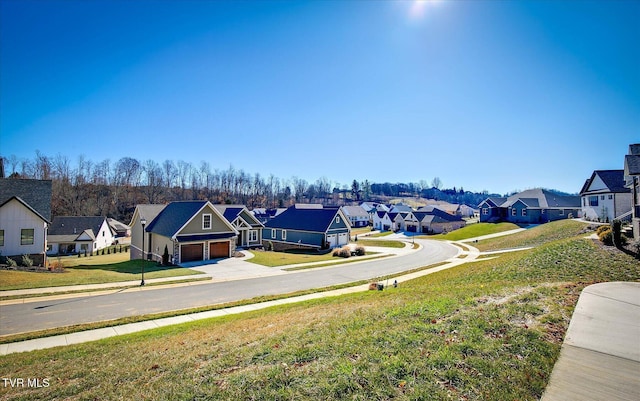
{"x":604,"y":196}
{"x":146,"y":213}
{"x":121,"y":229}
{"x":189,"y":230}
{"x":532,"y":206}
{"x":307,"y":226}
{"x":632,"y":181}
{"x":79,"y":234}
{"x":263,"y":214}
{"x":437,"y":221}
{"x":381,"y":221}
{"x":248,"y":226}
{"x":25,"y":214}
{"x":358,"y":217}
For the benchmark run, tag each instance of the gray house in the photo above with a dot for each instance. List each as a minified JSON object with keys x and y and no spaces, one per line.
{"x":632,"y":181}
{"x":532,"y":206}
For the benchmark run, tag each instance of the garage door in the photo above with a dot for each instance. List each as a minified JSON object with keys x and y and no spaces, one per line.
{"x":191,"y":252}
{"x":218,"y":250}
{"x":332,"y":239}
{"x":343,"y":239}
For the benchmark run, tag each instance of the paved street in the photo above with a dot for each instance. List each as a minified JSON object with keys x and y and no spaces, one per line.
{"x":122,"y":303}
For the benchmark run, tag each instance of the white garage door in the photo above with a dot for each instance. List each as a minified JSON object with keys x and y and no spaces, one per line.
{"x":331,"y":239}
{"x":343,"y":239}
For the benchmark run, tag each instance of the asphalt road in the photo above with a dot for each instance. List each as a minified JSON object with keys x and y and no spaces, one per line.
{"x":34,"y":316}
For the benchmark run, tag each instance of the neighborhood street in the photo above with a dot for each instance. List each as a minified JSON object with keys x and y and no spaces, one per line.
{"x":49,"y":314}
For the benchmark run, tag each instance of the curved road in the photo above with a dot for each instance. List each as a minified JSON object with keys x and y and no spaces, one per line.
{"x":41,"y":315}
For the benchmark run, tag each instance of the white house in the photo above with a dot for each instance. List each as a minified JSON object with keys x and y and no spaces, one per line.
{"x":381,"y":221}
{"x":604,"y":196}
{"x":23,"y":231}
{"x":74,"y":234}
{"x":358,"y":217}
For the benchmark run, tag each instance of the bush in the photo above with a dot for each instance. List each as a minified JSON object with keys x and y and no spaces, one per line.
{"x":27,"y":261}
{"x":635,"y":246}
{"x":606,"y":237}
{"x":11,"y":263}
{"x":343,"y":252}
{"x":602,"y":228}
{"x":360,"y":251}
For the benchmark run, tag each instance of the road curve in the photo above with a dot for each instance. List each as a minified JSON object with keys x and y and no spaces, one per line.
{"x":19,"y":318}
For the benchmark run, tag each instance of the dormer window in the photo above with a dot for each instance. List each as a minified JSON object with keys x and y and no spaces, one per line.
{"x":206,"y":222}
{"x":337,"y":219}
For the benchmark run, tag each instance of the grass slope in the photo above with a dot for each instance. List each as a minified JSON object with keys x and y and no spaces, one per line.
{"x":533,"y":237}
{"x":489,"y":330}
{"x":474,"y":230}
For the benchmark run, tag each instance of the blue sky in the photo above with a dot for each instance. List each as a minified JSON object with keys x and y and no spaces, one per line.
{"x":488,"y":95}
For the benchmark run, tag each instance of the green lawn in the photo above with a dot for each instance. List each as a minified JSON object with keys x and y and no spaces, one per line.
{"x":382,"y":243}
{"x":271,"y":259}
{"x":89,"y":274}
{"x":474,"y":230}
{"x":490,"y":330}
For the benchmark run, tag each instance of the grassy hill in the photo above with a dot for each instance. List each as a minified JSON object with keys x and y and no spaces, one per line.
{"x":488,"y":330}
{"x":535,"y":236}
{"x":474,"y":230}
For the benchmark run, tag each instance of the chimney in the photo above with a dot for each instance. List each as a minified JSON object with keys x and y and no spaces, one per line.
{"x":1,"y":167}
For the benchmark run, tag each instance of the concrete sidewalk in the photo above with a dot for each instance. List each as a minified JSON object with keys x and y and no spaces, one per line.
{"x":600,"y":356}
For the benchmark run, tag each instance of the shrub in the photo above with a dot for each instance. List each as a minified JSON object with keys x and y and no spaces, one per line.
{"x":360,"y":251}
{"x":343,"y":252}
{"x":11,"y":263}
{"x":27,"y":261}
{"x":165,"y":256}
{"x":635,"y":246}
{"x":602,"y":228}
{"x":606,"y":237}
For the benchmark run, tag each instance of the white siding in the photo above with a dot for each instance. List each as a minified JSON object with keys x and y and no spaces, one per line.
{"x":13,"y":218}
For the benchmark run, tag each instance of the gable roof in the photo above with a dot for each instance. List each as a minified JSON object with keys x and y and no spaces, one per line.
{"x":632,"y":165}
{"x":146,"y":211}
{"x":299,"y":217}
{"x":541,"y":198}
{"x":232,"y":212}
{"x":355,"y":211}
{"x":77,"y":225}
{"x":176,"y":215}
{"x":25,"y":204}
{"x":612,"y":179}
{"x":173,"y":217}
{"x":35,"y":193}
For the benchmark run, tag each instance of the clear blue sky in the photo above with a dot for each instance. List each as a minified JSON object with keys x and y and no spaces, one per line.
{"x":488,"y":95}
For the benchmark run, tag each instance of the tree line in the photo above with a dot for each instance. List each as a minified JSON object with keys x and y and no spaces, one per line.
{"x":114,"y":188}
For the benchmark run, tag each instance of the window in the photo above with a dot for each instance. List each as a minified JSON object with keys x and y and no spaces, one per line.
{"x":524,"y":212}
{"x":514,"y":212}
{"x":284,"y":234}
{"x":610,"y":196}
{"x":26,"y":236}
{"x":1,"y":237}
{"x":273,"y":233}
{"x":561,"y":212}
{"x":337,"y":219}
{"x":206,"y":222}
{"x":253,"y":235}
{"x":601,"y":197}
{"x":485,"y":211}
{"x":103,"y":234}
{"x":84,"y":247}
{"x":593,"y":201}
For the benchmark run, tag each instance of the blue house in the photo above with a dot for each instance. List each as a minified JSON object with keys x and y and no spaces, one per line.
{"x":307,"y":226}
